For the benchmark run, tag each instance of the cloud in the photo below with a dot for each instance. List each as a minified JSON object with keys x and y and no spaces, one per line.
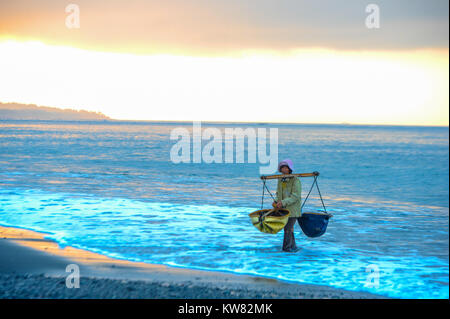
{"x":217,"y":26}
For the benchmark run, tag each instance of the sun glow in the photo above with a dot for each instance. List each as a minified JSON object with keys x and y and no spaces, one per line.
{"x":305,"y":86}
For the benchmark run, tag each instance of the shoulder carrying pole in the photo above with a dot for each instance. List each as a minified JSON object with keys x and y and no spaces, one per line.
{"x":314,"y":174}
{"x":289,"y":175}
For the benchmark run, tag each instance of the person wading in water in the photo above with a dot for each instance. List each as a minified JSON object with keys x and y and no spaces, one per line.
{"x":288,"y":195}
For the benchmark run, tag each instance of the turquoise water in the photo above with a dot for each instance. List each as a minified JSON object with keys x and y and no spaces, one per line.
{"x":111,"y":188}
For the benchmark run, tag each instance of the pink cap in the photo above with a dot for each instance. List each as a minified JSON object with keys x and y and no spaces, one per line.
{"x":287,"y":162}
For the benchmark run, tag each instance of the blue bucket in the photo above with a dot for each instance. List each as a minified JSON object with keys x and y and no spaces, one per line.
{"x":314,"y":224}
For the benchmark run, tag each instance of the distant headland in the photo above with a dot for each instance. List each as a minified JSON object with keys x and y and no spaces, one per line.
{"x":18,"y":111}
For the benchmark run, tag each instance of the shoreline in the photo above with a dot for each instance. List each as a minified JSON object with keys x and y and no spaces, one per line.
{"x":35,"y":267}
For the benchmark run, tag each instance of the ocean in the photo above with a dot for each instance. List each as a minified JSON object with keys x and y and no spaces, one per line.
{"x":111,"y":187}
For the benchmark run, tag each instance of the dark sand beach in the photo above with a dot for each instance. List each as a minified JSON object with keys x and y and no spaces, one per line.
{"x":34,"y":267}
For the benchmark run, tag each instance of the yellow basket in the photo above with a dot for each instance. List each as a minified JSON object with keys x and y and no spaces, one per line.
{"x":270,"y":221}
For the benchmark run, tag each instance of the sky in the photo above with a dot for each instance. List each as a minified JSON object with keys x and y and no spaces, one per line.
{"x":238,"y":61}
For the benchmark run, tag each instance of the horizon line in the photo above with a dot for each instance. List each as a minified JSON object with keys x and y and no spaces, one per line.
{"x":190,"y":120}
{"x":220,"y":122}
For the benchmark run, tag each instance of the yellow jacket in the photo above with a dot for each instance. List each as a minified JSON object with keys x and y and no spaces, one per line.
{"x":290,"y":194}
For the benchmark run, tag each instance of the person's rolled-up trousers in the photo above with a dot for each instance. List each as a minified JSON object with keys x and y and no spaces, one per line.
{"x":289,"y":239}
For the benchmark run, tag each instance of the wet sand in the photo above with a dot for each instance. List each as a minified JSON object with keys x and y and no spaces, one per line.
{"x":32,"y":266}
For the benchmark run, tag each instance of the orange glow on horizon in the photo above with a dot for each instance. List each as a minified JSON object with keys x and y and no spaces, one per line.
{"x":314,"y":85}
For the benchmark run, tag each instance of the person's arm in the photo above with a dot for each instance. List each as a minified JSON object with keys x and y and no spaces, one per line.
{"x":295,"y":195}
